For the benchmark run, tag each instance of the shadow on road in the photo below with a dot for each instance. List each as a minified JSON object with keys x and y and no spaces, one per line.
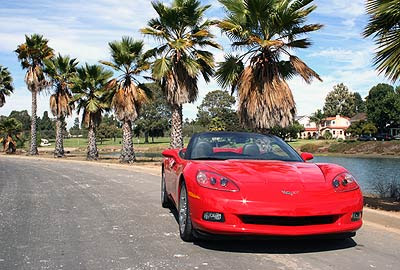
{"x":275,"y":246}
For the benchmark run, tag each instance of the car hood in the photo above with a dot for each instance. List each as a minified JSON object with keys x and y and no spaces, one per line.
{"x":256,"y":171}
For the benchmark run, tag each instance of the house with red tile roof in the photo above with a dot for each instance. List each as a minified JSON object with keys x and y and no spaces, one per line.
{"x":336,"y":125}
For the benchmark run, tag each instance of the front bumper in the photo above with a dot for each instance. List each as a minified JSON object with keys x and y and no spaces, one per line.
{"x":234,"y":206}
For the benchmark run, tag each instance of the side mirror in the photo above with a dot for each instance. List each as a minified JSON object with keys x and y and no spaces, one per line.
{"x":171,"y":153}
{"x":306,"y":156}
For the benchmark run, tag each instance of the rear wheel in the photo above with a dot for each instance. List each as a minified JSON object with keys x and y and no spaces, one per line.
{"x":185,"y":223}
{"x":164,"y":195}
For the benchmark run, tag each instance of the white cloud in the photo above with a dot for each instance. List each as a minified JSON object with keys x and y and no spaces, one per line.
{"x":340,"y":8}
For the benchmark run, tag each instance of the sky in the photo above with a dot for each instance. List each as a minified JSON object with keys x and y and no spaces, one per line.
{"x":83,"y":28}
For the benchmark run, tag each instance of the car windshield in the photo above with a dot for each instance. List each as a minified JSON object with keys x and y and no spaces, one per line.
{"x":238,"y":145}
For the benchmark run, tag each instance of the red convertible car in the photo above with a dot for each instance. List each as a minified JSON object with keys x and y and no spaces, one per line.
{"x":233,"y":183}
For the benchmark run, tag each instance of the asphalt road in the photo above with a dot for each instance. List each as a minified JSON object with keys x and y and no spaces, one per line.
{"x":70,"y":215}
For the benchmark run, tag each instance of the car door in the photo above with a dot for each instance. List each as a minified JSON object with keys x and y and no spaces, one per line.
{"x":173,"y":168}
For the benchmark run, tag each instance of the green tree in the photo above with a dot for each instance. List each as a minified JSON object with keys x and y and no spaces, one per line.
{"x":217,"y":124}
{"x":265,"y":32}
{"x":6,"y":85}
{"x":356,"y":128}
{"x":90,"y":93}
{"x":75,"y":129}
{"x":31,"y":54}
{"x":317,"y":118}
{"x":384,"y":28}
{"x":218,"y":104}
{"x":369,"y":128}
{"x":359,"y":104}
{"x":383,"y":106}
{"x":154,"y":117}
{"x":61,"y":70}
{"x":46,"y":127}
{"x":289,"y":132}
{"x":340,"y":101}
{"x":9,"y":130}
{"x":129,"y":95}
{"x":23,"y":117}
{"x":192,"y":127}
{"x":183,"y":33}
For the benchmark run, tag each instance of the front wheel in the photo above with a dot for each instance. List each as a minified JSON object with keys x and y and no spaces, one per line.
{"x":185,"y":223}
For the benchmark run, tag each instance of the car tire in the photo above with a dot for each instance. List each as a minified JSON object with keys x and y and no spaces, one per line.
{"x":184,"y":221}
{"x":164,"y":194}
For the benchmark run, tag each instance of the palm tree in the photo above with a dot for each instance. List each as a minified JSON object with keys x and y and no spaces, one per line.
{"x":31,"y":55}
{"x":9,"y":128}
{"x":6,"y":85}
{"x":182,"y":33}
{"x":61,"y":70}
{"x":89,"y":88}
{"x":384,"y":27}
{"x":265,"y":32}
{"x":128,"y":93}
{"x":318,"y":117}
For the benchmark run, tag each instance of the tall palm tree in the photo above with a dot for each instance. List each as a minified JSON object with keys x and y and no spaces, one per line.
{"x":265,"y":32}
{"x":128,"y":93}
{"x":6,"y":85}
{"x":182,"y":32}
{"x":61,"y":70}
{"x":31,"y":55}
{"x":384,"y":27}
{"x":90,"y":92}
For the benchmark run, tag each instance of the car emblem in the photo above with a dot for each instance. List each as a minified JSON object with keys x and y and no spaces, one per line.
{"x":291,"y":193}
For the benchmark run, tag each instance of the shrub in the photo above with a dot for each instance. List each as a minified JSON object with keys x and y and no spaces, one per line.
{"x":388,"y":189}
{"x":309,"y":147}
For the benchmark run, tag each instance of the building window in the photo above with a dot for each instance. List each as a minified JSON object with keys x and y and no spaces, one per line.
{"x":333,"y":122}
{"x":334,"y":132}
{"x":341,"y":132}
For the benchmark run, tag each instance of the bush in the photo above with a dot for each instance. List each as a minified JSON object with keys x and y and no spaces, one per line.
{"x":340,"y":140}
{"x":309,"y":147}
{"x":387,"y":189}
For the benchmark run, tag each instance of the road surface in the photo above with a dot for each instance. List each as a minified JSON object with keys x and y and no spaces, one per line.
{"x":71,"y":215}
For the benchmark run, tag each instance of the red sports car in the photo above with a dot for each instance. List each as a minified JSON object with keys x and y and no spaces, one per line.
{"x":233,"y":183}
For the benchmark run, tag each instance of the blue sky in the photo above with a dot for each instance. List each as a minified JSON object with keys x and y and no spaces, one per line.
{"x":82,"y":29}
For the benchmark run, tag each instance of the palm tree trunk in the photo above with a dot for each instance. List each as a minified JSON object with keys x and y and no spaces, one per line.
{"x":59,"y":150}
{"x":92,"y":153}
{"x":176,"y":129}
{"x":34,"y":150}
{"x":128,"y":153}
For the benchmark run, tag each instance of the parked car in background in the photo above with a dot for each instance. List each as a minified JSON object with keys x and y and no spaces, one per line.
{"x":384,"y":137}
{"x":397,"y":137}
{"x":366,"y":138}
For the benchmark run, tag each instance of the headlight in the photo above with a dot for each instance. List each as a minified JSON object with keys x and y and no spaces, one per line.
{"x":344,"y":182}
{"x":215,"y":181}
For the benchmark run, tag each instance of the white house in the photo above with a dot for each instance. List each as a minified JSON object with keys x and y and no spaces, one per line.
{"x":310,"y":128}
{"x":336,"y":125}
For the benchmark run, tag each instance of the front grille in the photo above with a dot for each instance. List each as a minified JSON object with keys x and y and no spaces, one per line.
{"x":288,"y":221}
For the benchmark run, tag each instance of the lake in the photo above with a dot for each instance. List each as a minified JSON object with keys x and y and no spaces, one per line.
{"x":367,"y":170}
